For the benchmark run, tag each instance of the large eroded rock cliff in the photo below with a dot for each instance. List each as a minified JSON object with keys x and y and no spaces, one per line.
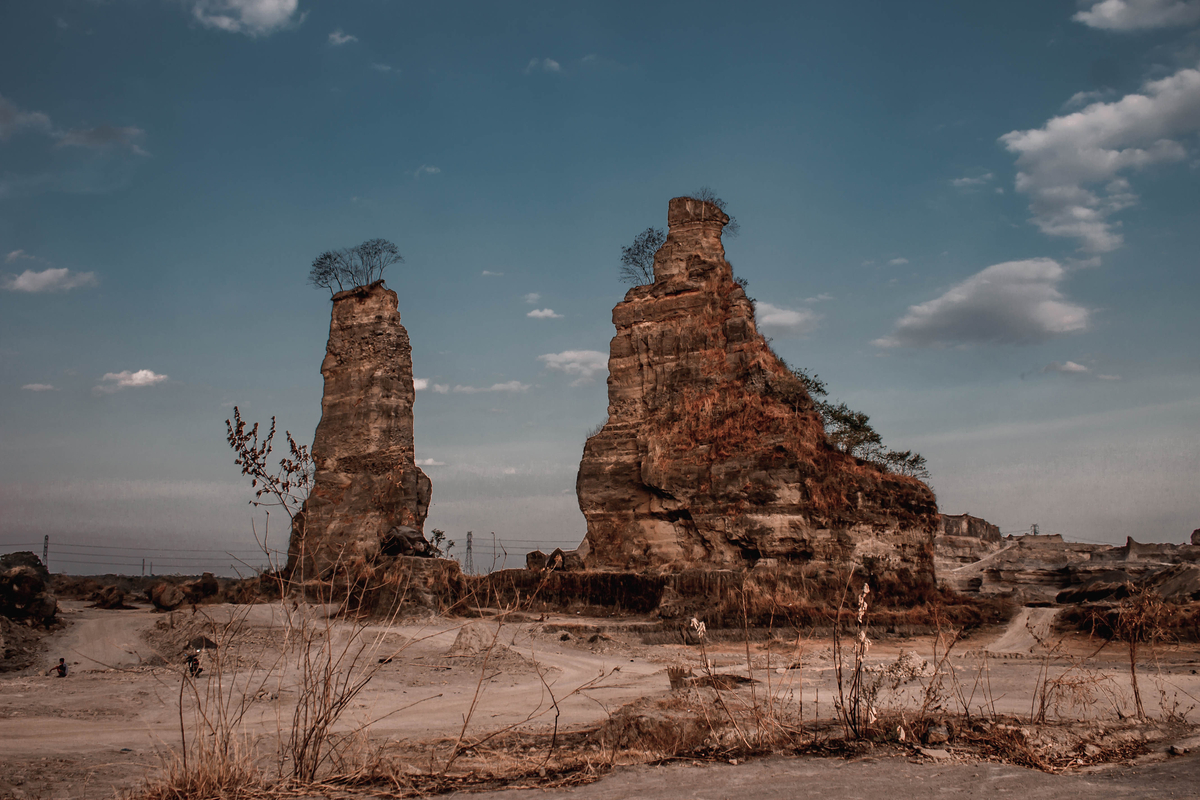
{"x":713,"y":453}
{"x":367,"y":489}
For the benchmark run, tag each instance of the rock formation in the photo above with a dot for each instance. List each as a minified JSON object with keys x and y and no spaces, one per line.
{"x":714,"y":453}
{"x":366,"y":483}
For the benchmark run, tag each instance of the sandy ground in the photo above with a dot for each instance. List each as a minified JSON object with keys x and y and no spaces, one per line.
{"x":117,"y":716}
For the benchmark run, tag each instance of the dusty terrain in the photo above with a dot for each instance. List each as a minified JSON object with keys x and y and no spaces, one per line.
{"x":116,"y":718}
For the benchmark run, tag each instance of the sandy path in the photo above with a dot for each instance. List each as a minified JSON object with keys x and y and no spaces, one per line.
{"x":1023,"y":632}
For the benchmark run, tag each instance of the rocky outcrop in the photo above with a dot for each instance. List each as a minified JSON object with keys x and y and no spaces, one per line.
{"x":714,"y":453}
{"x":25,"y":592}
{"x":366,"y":483}
{"x":963,"y":539}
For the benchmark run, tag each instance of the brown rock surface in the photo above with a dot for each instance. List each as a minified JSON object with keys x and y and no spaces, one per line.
{"x":713,"y":453}
{"x":366,"y":481}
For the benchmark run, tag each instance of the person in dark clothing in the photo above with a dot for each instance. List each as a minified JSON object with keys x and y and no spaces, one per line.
{"x":193,"y":665}
{"x":60,"y":668}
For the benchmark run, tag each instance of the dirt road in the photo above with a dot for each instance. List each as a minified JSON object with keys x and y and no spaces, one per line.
{"x":117,"y":716}
{"x":779,"y":778}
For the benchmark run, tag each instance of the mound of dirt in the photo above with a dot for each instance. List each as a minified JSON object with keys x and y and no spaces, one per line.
{"x":479,"y":642}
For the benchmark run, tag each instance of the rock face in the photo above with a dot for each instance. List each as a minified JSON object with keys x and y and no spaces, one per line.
{"x":713,"y":453}
{"x":366,"y":481}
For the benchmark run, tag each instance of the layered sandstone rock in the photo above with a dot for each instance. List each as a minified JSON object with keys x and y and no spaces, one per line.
{"x":713,"y":453}
{"x":366,"y":484}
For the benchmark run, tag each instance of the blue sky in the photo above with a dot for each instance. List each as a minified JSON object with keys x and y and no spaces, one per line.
{"x":977,"y":222}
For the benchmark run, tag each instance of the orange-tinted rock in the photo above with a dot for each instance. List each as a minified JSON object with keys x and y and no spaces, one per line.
{"x":367,"y":482}
{"x":714,"y":453}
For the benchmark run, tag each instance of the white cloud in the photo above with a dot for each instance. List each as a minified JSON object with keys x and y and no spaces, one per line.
{"x":116,"y":381}
{"x":19,"y":255}
{"x":426,"y":169}
{"x":489,"y":274}
{"x":386,"y":68}
{"x":422,"y":384}
{"x":897,"y":262}
{"x":251,"y":17}
{"x":542,"y":65}
{"x":429,"y":462}
{"x":509,"y":386}
{"x":337,"y":38}
{"x":967,"y":182}
{"x":1132,"y":15}
{"x":49,"y":280}
{"x":1065,"y":368}
{"x":1059,"y":161}
{"x":582,"y":363}
{"x":38,"y":387}
{"x":1017,"y":302}
{"x":786,"y":320}
{"x":13,"y":119}
{"x":530,"y":298}
{"x":821,"y":298}
{"x":1109,"y":377}
{"x":544,"y":313}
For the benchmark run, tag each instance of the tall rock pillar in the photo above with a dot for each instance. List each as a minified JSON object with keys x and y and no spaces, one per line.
{"x":367,"y":483}
{"x":714,"y":454}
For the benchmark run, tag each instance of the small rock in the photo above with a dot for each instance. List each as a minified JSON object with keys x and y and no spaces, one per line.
{"x":566,"y":637}
{"x":938,"y":733}
{"x":1176,"y":750}
{"x":935,"y":753}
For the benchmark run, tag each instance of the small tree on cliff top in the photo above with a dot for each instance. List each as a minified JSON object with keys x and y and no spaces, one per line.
{"x":356,"y":266}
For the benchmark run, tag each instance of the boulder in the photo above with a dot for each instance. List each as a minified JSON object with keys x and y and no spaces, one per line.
{"x":713,"y":453}
{"x":202,"y":588}
{"x":25,"y":591}
{"x":109,"y":597}
{"x":1196,"y":536}
{"x":166,"y":596}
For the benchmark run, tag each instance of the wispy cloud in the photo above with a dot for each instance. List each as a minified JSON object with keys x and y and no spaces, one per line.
{"x":1133,"y":15}
{"x":38,"y":387}
{"x":19,"y":255}
{"x":509,"y":386}
{"x":426,"y":169}
{"x":103,"y":137}
{"x":100,"y":137}
{"x":429,"y":462}
{"x":338,"y":37}
{"x":584,"y":364}
{"x":532,"y":298}
{"x":968,"y":182}
{"x":544,"y":313}
{"x":251,"y":17}
{"x":1065,"y":368}
{"x":821,"y":298}
{"x":1017,"y":302}
{"x":48,"y":280}
{"x":116,"y":381}
{"x":487,"y":273}
{"x":542,"y":65}
{"x":13,"y":119}
{"x":384,"y":68}
{"x":1059,"y":163}
{"x":778,"y":320}
{"x":897,"y":262}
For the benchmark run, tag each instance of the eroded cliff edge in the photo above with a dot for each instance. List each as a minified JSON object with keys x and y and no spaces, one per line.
{"x":367,"y":489}
{"x":713,"y":453}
